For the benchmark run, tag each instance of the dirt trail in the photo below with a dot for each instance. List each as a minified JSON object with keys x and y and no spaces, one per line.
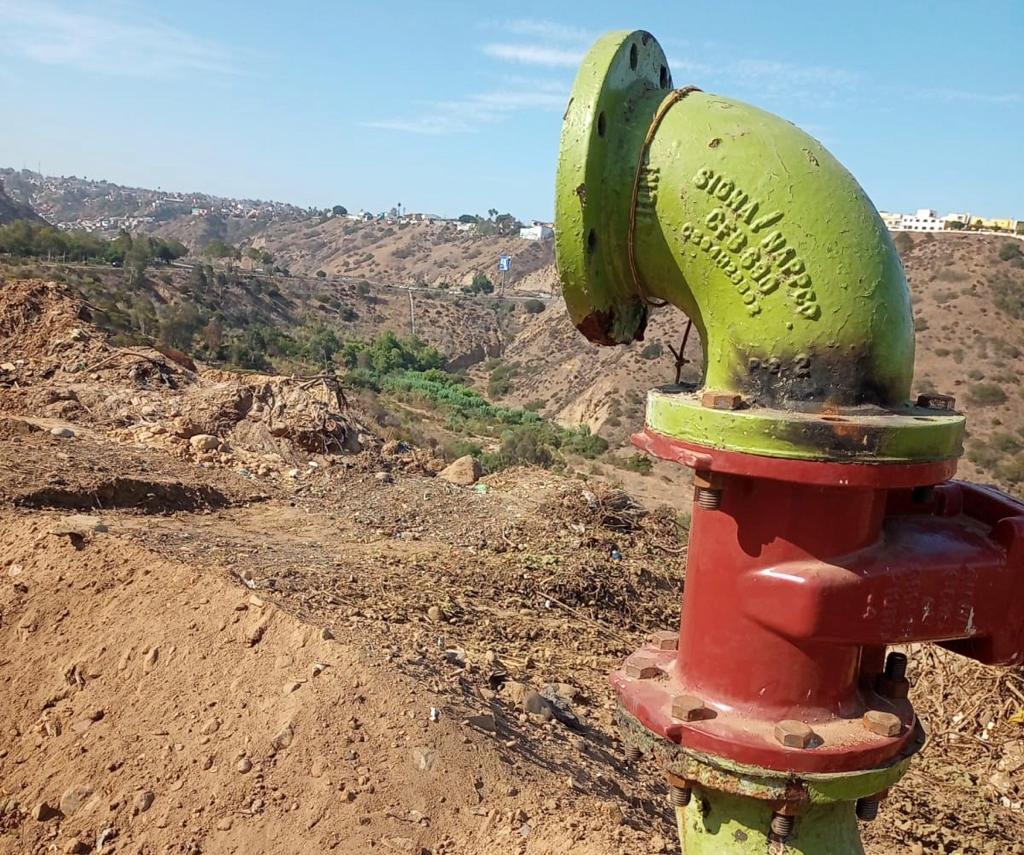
{"x":140,"y":691}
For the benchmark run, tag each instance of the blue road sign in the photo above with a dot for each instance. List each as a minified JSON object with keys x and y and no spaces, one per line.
{"x":504,"y":262}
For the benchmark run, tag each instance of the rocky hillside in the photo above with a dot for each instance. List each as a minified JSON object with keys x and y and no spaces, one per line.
{"x":10,"y":210}
{"x":400,"y":253}
{"x":302,"y":240}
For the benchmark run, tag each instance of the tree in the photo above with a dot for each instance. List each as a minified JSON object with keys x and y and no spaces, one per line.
{"x":212,"y":335}
{"x":339,"y":210}
{"x":320,"y":345}
{"x":218,"y":248}
{"x":321,"y":274}
{"x":481,"y":285}
{"x":506,"y":224}
{"x":492,"y":213}
{"x":136,"y":260}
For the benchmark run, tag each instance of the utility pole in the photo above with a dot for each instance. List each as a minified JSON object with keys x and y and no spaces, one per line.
{"x":412,"y":312}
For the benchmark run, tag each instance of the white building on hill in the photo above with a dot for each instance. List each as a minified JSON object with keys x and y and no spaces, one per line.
{"x":538,"y":231}
{"x":924,"y":220}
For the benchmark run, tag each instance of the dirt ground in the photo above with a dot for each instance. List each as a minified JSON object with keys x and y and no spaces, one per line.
{"x":292,"y":637}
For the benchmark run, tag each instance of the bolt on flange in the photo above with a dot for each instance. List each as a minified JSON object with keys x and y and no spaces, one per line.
{"x":688,"y":708}
{"x":782,"y":826}
{"x":867,"y":808}
{"x":794,"y":734}
{"x":665,"y":639}
{"x":707,"y":491}
{"x":893,"y":682}
{"x":883,"y":723}
{"x":679,"y":796}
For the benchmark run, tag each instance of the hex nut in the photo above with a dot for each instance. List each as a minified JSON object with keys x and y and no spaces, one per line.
{"x":883,"y":723}
{"x":936,"y":402}
{"x":720,"y":401}
{"x":665,"y":639}
{"x":688,"y":708}
{"x":641,"y":667}
{"x":794,"y":734}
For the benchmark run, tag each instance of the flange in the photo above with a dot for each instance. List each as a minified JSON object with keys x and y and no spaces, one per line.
{"x":870,"y":435}
{"x":601,"y":136}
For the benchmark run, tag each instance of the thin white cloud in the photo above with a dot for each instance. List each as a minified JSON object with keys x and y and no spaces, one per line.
{"x":107,"y":43}
{"x":470,"y":114}
{"x":534,"y":54}
{"x":965,"y":96}
{"x":544,"y":29}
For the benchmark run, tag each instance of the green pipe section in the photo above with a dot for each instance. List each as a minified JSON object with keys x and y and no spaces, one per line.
{"x":743,"y":221}
{"x":719,"y":823}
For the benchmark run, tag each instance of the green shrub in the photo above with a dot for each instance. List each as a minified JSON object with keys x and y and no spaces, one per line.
{"x":903,"y":241}
{"x":639,"y":463}
{"x":652,"y":350}
{"x":1007,"y":294}
{"x":528,"y":444}
{"x":584,"y":443}
{"x":986,"y":394}
{"x":499,"y":383}
{"x":533,"y":306}
{"x":1010,"y":251}
{"x":480,"y":285}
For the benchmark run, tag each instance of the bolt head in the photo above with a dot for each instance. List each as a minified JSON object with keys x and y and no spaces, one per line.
{"x":720,"y":401}
{"x":794,"y":734}
{"x":883,"y":723}
{"x":937,"y":402}
{"x":641,"y":667}
{"x":665,"y":639}
{"x":688,"y":708}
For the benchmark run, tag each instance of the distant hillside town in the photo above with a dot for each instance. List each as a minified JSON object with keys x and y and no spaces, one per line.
{"x":96,"y":206}
{"x":927,"y":220}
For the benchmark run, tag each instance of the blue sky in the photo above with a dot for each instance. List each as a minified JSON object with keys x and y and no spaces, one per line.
{"x":454,"y":107}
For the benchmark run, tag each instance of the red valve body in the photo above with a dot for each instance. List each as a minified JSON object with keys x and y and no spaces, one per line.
{"x":798,"y":581}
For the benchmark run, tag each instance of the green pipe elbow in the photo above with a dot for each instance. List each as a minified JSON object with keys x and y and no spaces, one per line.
{"x":741,"y":220}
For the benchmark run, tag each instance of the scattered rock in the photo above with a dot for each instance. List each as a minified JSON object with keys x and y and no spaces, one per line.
{"x":293,"y":686}
{"x":42,"y":812}
{"x":424,"y":759}
{"x":326,"y":634}
{"x":464,"y":472}
{"x":74,"y":797}
{"x":384,"y":477}
{"x":210,"y":727}
{"x":76,"y":847}
{"x":435,"y":614}
{"x":143,"y":801}
{"x":149,"y":663}
{"x":483,"y":721}
{"x":78,"y":524}
{"x":244,"y":765}
{"x":204,"y":442}
{"x":283,"y":738}
{"x":658,"y":843}
{"x":62,"y":432}
{"x":613,"y":813}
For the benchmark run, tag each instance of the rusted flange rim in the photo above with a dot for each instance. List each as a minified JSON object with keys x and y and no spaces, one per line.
{"x":887,"y":475}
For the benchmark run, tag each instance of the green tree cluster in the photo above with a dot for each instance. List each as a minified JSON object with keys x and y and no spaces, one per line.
{"x":39,"y":240}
